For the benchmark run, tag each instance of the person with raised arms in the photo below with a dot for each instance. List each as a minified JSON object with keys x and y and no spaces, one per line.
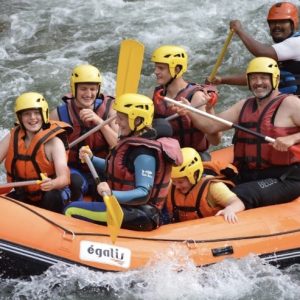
{"x":138,"y":168}
{"x":269,"y":173}
{"x":283,"y":21}
{"x":170,"y":64}
{"x":85,"y":108}
{"x":194,"y":194}
{"x":37,"y":146}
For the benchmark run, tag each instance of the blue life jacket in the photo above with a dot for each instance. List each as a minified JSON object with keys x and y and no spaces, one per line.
{"x":63,"y":111}
{"x":290,"y":75}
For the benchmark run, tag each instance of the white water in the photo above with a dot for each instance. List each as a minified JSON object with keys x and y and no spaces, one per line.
{"x":42,"y":40}
{"x":164,"y":278}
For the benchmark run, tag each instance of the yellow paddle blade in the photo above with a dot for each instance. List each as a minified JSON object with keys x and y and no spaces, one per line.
{"x":130,"y":63}
{"x":114,"y":216}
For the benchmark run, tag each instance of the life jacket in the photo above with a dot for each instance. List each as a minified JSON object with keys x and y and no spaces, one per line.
{"x":183,"y":129}
{"x":121,"y":176}
{"x":69,"y":113}
{"x":24,"y":163}
{"x":290,"y":74}
{"x":251,"y":152}
{"x":194,"y":204}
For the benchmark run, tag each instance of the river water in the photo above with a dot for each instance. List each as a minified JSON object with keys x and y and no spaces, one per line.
{"x":42,"y":40}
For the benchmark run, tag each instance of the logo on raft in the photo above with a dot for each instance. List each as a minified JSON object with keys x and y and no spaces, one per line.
{"x":105,"y":254}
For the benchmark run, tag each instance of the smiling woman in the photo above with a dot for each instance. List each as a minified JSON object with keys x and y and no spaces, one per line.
{"x":35,"y":147}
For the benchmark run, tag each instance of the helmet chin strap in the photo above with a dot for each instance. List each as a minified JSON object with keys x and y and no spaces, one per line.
{"x":167,"y":84}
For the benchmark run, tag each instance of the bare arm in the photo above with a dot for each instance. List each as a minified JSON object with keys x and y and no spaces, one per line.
{"x":210,"y":126}
{"x":224,"y":197}
{"x":255,"y":47}
{"x":108,"y":131}
{"x":238,"y":79}
{"x":288,"y":116}
{"x":199,"y":99}
{"x":56,"y":152}
{"x":233,"y":206}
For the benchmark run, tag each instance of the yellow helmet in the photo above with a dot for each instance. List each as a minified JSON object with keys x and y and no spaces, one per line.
{"x":264,"y":65}
{"x":84,"y":74}
{"x":173,"y":56}
{"x":135,"y":106}
{"x":191,"y":164}
{"x":32,"y":100}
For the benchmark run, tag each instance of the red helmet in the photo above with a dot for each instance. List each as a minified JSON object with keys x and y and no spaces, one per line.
{"x":284,"y":11}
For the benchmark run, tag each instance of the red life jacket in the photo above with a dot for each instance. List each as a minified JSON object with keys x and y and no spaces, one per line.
{"x":251,"y":152}
{"x":96,"y":141}
{"x":24,"y":163}
{"x":183,"y":129}
{"x":121,"y":178}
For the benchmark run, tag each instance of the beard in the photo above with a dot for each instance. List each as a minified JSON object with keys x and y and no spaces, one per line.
{"x":278,"y":39}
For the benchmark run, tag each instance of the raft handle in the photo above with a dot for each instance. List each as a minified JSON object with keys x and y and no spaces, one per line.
{"x":222,"y":251}
{"x":70,"y":235}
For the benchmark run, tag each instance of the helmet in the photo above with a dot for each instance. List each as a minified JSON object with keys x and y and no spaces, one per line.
{"x":264,"y":65}
{"x":32,"y":100}
{"x":284,"y":11}
{"x":135,"y":105}
{"x":84,"y":74}
{"x":191,"y":164}
{"x":173,"y":56}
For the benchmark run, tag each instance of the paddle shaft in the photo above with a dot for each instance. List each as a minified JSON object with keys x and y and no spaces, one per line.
{"x":19,"y":183}
{"x":221,"y":56}
{"x":93,"y":171}
{"x":220,"y":120}
{"x":114,"y":211}
{"x":93,"y":130}
{"x":92,"y":168}
{"x":176,"y":115}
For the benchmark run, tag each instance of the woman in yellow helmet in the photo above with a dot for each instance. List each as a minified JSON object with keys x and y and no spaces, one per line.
{"x":37,"y":145}
{"x":194,"y":195}
{"x":138,"y":169}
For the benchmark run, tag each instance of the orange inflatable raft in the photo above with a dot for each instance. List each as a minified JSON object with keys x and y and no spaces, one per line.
{"x":32,"y":239}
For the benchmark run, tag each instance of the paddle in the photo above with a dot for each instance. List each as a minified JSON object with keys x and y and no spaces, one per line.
{"x":176,"y":115}
{"x":294,"y":149}
{"x":129,"y":67}
{"x":130,"y":63}
{"x":6,"y":187}
{"x":113,"y":209}
{"x":93,"y":130}
{"x":215,"y":68}
{"x":220,"y":57}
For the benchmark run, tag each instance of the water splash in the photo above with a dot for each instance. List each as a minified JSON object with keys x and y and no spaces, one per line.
{"x":169,"y":275}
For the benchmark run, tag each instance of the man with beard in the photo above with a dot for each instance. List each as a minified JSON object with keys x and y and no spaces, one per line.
{"x":269,"y":173}
{"x":283,"y":22}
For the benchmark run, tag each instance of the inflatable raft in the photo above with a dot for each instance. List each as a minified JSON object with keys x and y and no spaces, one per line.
{"x":32,"y":239}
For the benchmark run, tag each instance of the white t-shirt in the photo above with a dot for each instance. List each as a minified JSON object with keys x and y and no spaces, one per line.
{"x":288,"y":49}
